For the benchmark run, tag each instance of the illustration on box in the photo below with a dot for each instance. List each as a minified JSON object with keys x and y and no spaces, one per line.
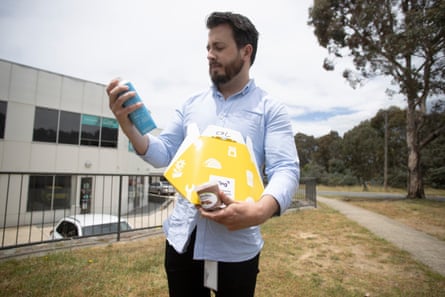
{"x":217,"y":155}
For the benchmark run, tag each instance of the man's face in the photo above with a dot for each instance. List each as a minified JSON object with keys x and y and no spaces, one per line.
{"x":225,"y":60}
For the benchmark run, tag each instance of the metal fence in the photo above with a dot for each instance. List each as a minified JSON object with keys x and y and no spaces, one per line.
{"x":306,"y":195}
{"x":32,"y":204}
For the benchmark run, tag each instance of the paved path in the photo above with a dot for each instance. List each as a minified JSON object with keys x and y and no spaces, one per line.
{"x":423,"y":247}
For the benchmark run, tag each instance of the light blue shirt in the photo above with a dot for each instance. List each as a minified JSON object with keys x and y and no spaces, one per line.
{"x":254,"y":114}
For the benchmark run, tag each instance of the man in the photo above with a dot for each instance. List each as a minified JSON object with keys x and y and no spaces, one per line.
{"x":229,"y":237}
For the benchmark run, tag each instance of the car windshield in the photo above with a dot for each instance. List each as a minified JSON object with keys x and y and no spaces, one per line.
{"x":104,"y":228}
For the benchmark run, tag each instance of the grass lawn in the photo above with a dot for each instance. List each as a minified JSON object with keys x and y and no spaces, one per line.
{"x":311,"y":252}
{"x":378,"y":189}
{"x":425,"y":215}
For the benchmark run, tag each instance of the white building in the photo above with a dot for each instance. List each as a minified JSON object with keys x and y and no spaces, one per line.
{"x":61,"y":129}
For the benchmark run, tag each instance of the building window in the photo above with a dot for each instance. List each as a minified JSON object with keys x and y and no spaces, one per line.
{"x":69,"y":127}
{"x":51,"y":125}
{"x":3,"y":107}
{"x":90,"y":130}
{"x":48,"y":192}
{"x":109,"y":132}
{"x":45,"y":125}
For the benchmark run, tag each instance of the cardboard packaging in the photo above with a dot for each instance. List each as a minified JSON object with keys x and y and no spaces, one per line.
{"x":218,"y":155}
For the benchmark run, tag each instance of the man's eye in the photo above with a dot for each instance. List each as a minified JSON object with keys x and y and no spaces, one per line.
{"x":216,"y":48}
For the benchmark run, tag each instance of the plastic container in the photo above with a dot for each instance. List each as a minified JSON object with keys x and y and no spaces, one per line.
{"x":208,"y":196}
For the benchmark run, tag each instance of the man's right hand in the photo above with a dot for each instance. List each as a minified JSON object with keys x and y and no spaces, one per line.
{"x":116,"y":100}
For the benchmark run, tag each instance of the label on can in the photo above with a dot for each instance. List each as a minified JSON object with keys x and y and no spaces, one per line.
{"x":209,"y":200}
{"x":141,"y":117}
{"x":208,"y":195}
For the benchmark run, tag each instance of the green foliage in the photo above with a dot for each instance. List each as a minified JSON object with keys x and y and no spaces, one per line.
{"x":383,"y":37}
{"x":361,"y":145}
{"x":306,"y":146}
{"x":433,"y":156}
{"x":328,"y":147}
{"x":403,"y":40}
{"x":436,"y":178}
{"x":358,"y":157}
{"x":313,"y":169}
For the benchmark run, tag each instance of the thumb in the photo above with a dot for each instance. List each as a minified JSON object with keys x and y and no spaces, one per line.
{"x":225,"y":199}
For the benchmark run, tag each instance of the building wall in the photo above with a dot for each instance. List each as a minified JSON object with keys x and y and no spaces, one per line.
{"x":24,"y":88}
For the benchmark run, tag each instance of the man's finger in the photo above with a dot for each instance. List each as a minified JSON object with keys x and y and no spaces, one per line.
{"x":113,"y":83}
{"x":225,"y":199}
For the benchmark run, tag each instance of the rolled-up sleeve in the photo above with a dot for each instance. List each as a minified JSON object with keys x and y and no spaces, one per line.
{"x":162,"y":149}
{"x":282,"y":164}
{"x":156,"y":154}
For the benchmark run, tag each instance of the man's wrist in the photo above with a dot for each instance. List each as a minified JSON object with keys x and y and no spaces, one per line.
{"x":269,"y":207}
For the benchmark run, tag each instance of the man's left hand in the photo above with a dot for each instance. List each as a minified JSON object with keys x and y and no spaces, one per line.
{"x":239,"y":215}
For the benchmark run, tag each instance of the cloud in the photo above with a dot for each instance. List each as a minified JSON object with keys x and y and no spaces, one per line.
{"x":323,"y":115}
{"x":160,"y":46}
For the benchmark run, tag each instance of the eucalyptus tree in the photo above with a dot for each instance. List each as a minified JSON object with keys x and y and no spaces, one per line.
{"x":328,"y":148}
{"x":306,"y":146}
{"x":390,"y":123}
{"x":361,"y":147}
{"x":433,"y":157}
{"x":401,"y":39}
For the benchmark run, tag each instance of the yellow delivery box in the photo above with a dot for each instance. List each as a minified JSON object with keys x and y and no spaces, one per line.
{"x":217,"y":155}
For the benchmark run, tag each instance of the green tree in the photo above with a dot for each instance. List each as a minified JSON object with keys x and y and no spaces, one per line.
{"x":401,"y":39}
{"x":306,"y":146}
{"x":328,"y":147}
{"x":362,"y":146}
{"x":433,"y":157}
{"x":312,"y":169}
{"x":396,"y":146}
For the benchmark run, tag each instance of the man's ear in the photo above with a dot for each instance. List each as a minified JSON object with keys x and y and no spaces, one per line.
{"x":247,"y":51}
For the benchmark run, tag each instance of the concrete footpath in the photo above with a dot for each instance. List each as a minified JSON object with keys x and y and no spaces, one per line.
{"x":423,"y":247}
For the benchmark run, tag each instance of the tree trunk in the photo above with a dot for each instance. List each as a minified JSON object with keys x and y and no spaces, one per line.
{"x":415,"y":178}
{"x":385,"y":165}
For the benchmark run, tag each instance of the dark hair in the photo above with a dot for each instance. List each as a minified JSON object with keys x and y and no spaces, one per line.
{"x":244,"y":32}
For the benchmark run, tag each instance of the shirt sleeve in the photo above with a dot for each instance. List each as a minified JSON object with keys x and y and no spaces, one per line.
{"x":162,"y":148}
{"x":281,"y":159}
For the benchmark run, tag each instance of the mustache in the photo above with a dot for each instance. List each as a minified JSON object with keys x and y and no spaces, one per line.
{"x":211,"y":64}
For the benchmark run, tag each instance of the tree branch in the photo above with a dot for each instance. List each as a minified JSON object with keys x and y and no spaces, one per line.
{"x":433,"y":135}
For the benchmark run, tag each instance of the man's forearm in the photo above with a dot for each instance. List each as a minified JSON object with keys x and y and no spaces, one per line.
{"x":269,"y":207}
{"x":140,"y":142}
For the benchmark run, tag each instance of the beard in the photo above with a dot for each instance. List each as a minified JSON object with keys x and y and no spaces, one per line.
{"x":230,"y":71}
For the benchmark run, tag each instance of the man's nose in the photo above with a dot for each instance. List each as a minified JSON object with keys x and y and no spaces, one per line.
{"x":210,"y":55}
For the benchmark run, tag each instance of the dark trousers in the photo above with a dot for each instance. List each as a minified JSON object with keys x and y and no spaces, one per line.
{"x":185,"y":276}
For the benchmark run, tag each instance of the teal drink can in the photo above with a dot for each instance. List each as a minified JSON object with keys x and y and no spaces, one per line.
{"x":141,"y":117}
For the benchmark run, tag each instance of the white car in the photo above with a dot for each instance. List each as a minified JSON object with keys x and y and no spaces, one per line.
{"x":88,"y":225}
{"x":161,"y":188}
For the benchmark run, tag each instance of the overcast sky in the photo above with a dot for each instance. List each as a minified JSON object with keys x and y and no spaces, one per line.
{"x":161,"y":47}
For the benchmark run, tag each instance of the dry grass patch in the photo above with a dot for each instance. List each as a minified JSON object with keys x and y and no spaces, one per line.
{"x":379,"y":189}
{"x":359,"y":188}
{"x":424,"y":215}
{"x":307,"y":253}
{"x":122,"y":269}
{"x":321,"y":253}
